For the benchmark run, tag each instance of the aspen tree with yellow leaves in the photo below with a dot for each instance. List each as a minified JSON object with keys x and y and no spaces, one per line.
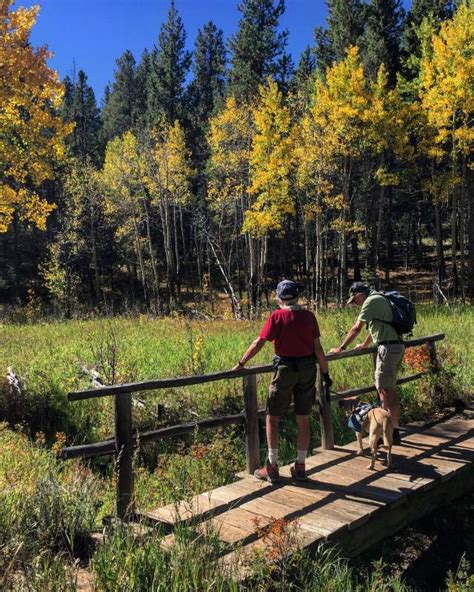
{"x":357,"y":167}
{"x":125,"y":205}
{"x":447,"y":97}
{"x":387,"y":120}
{"x":271,"y":163}
{"x":338,"y":112}
{"x":230,"y":141}
{"x":31,"y":134}
{"x":167,"y":179}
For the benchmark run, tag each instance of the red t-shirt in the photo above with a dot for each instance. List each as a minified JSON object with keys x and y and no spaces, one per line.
{"x":292,"y":332}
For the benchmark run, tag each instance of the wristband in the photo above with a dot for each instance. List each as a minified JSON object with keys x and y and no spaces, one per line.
{"x":342,"y":348}
{"x":240,"y":364}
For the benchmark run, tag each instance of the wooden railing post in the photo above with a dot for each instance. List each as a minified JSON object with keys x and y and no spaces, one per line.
{"x":252,"y":442}
{"x":325,"y":416}
{"x":124,"y":455}
{"x":433,"y":356}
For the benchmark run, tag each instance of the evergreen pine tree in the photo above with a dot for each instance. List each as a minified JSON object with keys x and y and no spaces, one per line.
{"x":66,"y":106}
{"x":306,"y":68}
{"x":384,"y":25}
{"x":208,"y":85}
{"x":258,"y":47}
{"x":106,"y":97}
{"x":435,"y":10}
{"x":169,"y":66}
{"x":142,"y":76}
{"x":120,"y":107}
{"x":79,"y":107}
{"x":323,"y":51}
{"x":284,"y":72}
{"x":87,"y":119}
{"x":345,"y":25}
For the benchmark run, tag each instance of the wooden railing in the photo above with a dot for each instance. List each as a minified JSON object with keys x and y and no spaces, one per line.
{"x":125,"y":440}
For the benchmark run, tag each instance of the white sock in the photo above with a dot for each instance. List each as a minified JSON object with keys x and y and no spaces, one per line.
{"x":301,"y":456}
{"x":273,"y":455}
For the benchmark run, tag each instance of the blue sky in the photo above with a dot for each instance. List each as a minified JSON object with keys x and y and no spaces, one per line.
{"x":91,"y":34}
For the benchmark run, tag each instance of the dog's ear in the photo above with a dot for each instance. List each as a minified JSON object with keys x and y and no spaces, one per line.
{"x":349,"y":403}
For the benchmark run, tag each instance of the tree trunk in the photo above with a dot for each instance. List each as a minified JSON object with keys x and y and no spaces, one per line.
{"x":151,"y":251}
{"x":462,"y":224}
{"x":471,"y":245}
{"x":378,"y":235}
{"x":95,"y":265}
{"x":389,"y":240}
{"x":168,"y":248}
{"x":454,"y":212}
{"x":440,"y":271}
{"x":319,"y":294}
{"x":342,"y":270}
{"x":139,"y":253}
{"x":177,"y":258}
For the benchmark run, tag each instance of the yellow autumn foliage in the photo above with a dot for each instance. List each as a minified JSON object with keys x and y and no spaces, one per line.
{"x":447,"y":84}
{"x":31,"y":135}
{"x":271,"y":162}
{"x":168,"y":169}
{"x":230,"y":137}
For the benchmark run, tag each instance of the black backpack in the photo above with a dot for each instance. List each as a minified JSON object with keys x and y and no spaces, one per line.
{"x":404,"y":312}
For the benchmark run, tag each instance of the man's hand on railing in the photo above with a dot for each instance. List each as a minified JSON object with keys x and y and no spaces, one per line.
{"x":335,"y":350}
{"x":360,"y":346}
{"x":327,"y":380}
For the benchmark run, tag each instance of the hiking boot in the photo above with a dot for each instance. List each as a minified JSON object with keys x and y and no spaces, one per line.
{"x":396,"y":437}
{"x":298,"y":472}
{"x":269,"y":473}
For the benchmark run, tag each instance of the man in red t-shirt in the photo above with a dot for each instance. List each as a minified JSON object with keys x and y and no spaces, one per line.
{"x":295,"y":335}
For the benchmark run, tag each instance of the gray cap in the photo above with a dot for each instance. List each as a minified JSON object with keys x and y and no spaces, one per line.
{"x":357,"y":288}
{"x":288,"y":290}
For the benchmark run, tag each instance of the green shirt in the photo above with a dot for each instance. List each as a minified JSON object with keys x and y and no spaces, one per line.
{"x":375,"y":310}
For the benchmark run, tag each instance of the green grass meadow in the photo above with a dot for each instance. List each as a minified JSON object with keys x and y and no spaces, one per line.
{"x":48,"y":508}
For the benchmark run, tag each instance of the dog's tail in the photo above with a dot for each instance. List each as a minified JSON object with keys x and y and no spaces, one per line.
{"x":387,"y":425}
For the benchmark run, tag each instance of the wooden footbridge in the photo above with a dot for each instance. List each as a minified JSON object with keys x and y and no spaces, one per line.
{"x":343,"y":502}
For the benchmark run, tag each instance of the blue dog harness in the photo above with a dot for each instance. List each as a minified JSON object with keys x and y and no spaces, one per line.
{"x":359,"y":414}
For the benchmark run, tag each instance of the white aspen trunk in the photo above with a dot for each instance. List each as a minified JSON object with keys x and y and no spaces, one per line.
{"x":318,"y":263}
{"x":154,"y":268}
{"x":168,"y":247}
{"x":140,"y":257}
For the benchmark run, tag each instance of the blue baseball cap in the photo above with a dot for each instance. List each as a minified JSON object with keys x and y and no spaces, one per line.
{"x":288,"y":290}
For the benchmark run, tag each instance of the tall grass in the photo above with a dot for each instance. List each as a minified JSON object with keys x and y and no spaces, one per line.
{"x":49,"y":359}
{"x":47,"y":509}
{"x":195,"y":563}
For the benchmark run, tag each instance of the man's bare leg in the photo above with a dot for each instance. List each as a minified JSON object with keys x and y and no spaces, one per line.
{"x":302,"y":442}
{"x":271,"y":424}
{"x":390,"y":402}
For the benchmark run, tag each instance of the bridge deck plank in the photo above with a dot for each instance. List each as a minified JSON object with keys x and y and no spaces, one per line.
{"x":341,"y":494}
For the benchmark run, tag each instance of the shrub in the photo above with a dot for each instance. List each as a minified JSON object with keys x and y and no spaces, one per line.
{"x":45,"y":506}
{"x":124,"y":563}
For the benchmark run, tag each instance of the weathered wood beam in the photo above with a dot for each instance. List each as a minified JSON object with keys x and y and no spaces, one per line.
{"x":228,"y":374}
{"x":108,"y":446}
{"x":368,"y":389}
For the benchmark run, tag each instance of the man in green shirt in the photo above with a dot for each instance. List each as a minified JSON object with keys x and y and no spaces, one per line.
{"x":376,"y":314}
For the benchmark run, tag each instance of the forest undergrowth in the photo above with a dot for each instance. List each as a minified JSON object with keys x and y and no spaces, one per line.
{"x":50,"y":508}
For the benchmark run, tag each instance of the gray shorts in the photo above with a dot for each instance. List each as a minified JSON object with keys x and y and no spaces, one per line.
{"x":387,"y":363}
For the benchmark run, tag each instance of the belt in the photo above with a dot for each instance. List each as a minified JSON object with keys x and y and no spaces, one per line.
{"x":391,"y":342}
{"x":294,"y":358}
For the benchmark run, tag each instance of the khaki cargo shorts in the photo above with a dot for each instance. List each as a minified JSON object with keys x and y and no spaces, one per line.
{"x":292,"y":379}
{"x":387,"y":363}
